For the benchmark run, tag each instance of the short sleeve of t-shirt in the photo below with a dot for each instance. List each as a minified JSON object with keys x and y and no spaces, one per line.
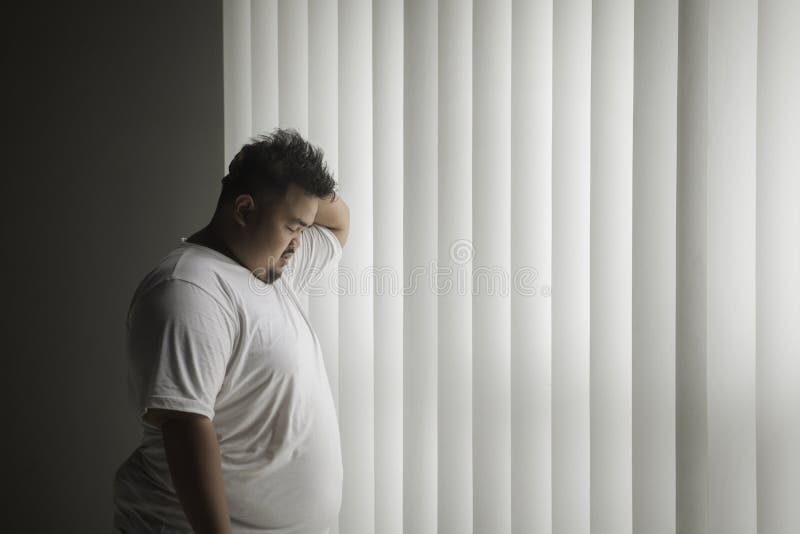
{"x":179,"y":343}
{"x":319,"y":251}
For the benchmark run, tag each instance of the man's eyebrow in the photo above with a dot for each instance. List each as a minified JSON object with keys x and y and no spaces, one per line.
{"x":300,"y":221}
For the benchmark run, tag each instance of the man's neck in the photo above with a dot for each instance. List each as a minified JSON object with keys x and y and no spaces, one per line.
{"x":211,"y":237}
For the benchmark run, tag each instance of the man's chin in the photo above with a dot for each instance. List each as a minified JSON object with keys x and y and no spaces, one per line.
{"x":270,"y":277}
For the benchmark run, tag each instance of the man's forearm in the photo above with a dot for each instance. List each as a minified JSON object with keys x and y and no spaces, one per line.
{"x":194,"y":464}
{"x":334,"y":215}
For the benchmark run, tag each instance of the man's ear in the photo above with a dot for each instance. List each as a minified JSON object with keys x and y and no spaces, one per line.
{"x":243,"y":209}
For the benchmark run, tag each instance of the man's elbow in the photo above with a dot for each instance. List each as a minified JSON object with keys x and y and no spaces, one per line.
{"x":341,"y":227}
{"x":343,"y":231}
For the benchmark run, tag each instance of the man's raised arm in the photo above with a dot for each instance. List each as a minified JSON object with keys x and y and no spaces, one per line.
{"x":334,"y":215}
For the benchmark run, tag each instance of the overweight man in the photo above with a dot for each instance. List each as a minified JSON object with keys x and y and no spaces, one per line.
{"x":240,"y":434}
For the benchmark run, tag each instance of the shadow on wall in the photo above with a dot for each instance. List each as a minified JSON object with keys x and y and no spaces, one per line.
{"x":117,"y":114}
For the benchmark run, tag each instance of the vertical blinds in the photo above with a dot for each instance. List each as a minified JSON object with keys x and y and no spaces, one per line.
{"x":570,"y":298}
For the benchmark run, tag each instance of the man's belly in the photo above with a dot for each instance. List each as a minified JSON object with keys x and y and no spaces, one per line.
{"x":297,"y":485}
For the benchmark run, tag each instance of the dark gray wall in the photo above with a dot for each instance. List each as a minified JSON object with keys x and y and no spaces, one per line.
{"x":113,"y":150}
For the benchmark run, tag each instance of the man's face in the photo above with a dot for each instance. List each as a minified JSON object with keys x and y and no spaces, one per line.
{"x":277,"y":232}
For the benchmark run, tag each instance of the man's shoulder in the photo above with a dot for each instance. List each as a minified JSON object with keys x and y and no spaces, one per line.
{"x":187,"y":272}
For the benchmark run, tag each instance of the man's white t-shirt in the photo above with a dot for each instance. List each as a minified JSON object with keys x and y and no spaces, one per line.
{"x":206,"y":336}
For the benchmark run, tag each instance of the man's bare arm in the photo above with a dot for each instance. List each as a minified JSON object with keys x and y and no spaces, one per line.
{"x":194,"y":464}
{"x":334,"y":215}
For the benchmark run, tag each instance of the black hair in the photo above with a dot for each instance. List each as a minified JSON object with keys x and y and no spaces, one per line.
{"x":266,"y":166}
